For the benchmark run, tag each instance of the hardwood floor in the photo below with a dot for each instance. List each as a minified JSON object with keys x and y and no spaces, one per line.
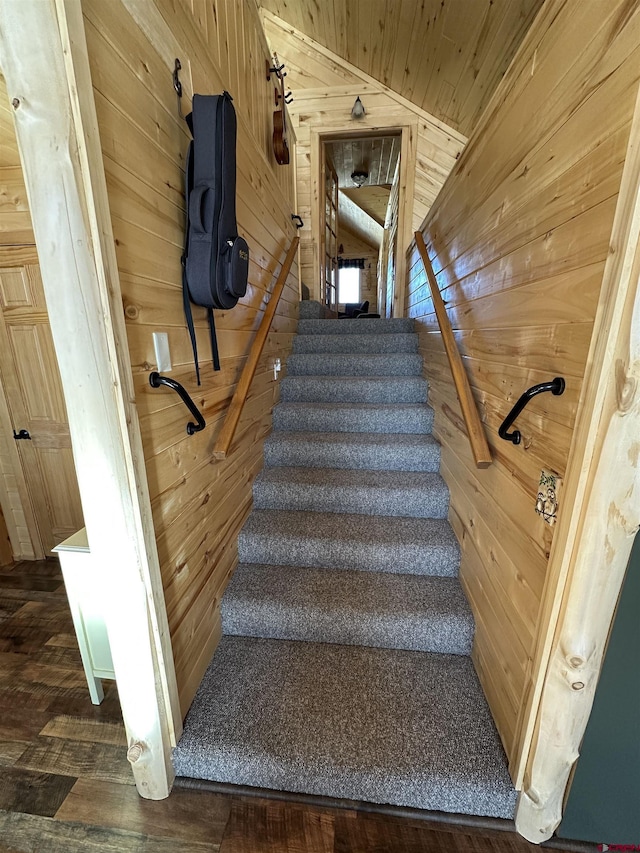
{"x":66,"y":787}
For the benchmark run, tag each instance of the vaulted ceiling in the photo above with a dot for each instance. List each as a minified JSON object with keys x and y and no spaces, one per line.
{"x":446,"y":56}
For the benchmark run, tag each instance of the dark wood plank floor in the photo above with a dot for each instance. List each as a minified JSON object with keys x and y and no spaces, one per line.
{"x":66,"y":787}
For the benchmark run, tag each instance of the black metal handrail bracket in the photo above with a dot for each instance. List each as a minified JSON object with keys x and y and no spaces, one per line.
{"x":556,"y":386}
{"x":156,"y":380}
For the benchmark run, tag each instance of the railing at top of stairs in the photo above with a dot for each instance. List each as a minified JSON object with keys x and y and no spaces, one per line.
{"x":225,"y":437}
{"x":475,"y":430}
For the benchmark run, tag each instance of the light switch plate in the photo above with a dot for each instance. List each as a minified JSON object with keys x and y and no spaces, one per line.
{"x":547,"y":497}
{"x":163,"y":356}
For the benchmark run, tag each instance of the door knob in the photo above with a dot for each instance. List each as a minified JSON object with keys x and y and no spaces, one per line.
{"x":22,"y":434}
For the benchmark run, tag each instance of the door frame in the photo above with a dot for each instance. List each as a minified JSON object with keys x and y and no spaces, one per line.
{"x":408,"y":147}
{"x":46,"y":66}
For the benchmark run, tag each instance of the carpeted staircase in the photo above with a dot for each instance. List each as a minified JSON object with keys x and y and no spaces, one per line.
{"x":344,"y":668}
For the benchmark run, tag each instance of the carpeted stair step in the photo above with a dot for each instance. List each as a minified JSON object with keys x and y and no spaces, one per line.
{"x":371,"y":451}
{"x":390,"y":343}
{"x":345,"y":389}
{"x":420,"y":546}
{"x":394,"y":326}
{"x":402,"y":493}
{"x":353,"y":608}
{"x":354,"y":364}
{"x":381,"y":725}
{"x":353,"y":417}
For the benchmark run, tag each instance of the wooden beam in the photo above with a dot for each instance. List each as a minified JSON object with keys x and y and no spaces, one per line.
{"x":45,"y":63}
{"x":593,"y":540}
{"x":475,"y":430}
{"x":226,"y":434}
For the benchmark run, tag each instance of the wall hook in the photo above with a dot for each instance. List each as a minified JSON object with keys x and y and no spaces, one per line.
{"x":177,"y":85}
{"x":297,"y":219}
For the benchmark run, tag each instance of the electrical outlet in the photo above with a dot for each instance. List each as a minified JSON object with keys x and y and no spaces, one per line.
{"x":163,"y":356}
{"x":547,"y":497}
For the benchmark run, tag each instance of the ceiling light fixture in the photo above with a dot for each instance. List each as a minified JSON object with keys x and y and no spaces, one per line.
{"x":359,"y":177}
{"x":358,"y":109}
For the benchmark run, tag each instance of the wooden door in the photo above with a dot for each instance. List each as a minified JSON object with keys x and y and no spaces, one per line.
{"x":330,"y":240}
{"x":33,"y":391}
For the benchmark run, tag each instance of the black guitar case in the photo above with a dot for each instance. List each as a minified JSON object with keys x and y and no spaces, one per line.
{"x":215,"y":260}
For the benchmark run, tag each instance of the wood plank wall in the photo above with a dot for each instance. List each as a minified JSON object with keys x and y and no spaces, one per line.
{"x":199,"y":503}
{"x":519,"y":238}
{"x":324,"y":87}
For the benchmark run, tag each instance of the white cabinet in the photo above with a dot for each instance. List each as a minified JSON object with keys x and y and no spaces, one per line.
{"x":82,"y":591}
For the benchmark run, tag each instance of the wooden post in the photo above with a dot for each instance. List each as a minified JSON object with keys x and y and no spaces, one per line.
{"x":593,"y":540}
{"x":45,"y":63}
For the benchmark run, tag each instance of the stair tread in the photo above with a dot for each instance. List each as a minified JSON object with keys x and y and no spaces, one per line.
{"x":400,"y":493}
{"x":425,"y":546}
{"x":356,"y":327}
{"x":354,"y":364}
{"x":387,"y":439}
{"x":380,"y":725}
{"x":416,"y":418}
{"x":419,"y":480}
{"x":364,"y":450}
{"x":358,"y":389}
{"x":373,"y":343}
{"x":351,"y":607}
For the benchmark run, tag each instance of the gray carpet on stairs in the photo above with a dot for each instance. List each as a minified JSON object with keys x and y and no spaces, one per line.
{"x":349,"y":607}
{"x":346,"y":389}
{"x":373,"y":451}
{"x":383,"y":725}
{"x":344,"y":668}
{"x":356,"y":327}
{"x":353,"y":417}
{"x":354,"y":364}
{"x":403,"y":493}
{"x":419,"y":546}
{"x":355,"y":343}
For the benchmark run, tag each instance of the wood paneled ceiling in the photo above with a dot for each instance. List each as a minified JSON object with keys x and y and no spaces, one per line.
{"x":446,"y":56}
{"x":377,"y":155}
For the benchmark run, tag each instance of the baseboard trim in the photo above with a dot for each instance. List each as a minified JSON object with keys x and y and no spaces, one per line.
{"x":461,"y":820}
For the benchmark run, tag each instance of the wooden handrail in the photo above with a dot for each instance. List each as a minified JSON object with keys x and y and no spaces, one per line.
{"x":475,"y":430}
{"x":225,"y":437}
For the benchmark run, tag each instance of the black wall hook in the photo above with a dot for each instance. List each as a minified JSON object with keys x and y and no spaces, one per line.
{"x":177,"y":85}
{"x":297,"y":219}
{"x":556,"y":386}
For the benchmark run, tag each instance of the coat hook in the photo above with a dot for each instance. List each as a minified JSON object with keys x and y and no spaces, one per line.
{"x":177,"y":85}
{"x":298,"y":220}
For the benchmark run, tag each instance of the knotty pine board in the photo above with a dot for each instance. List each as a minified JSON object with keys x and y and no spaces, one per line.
{"x":198,"y":503}
{"x":519,"y":236}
